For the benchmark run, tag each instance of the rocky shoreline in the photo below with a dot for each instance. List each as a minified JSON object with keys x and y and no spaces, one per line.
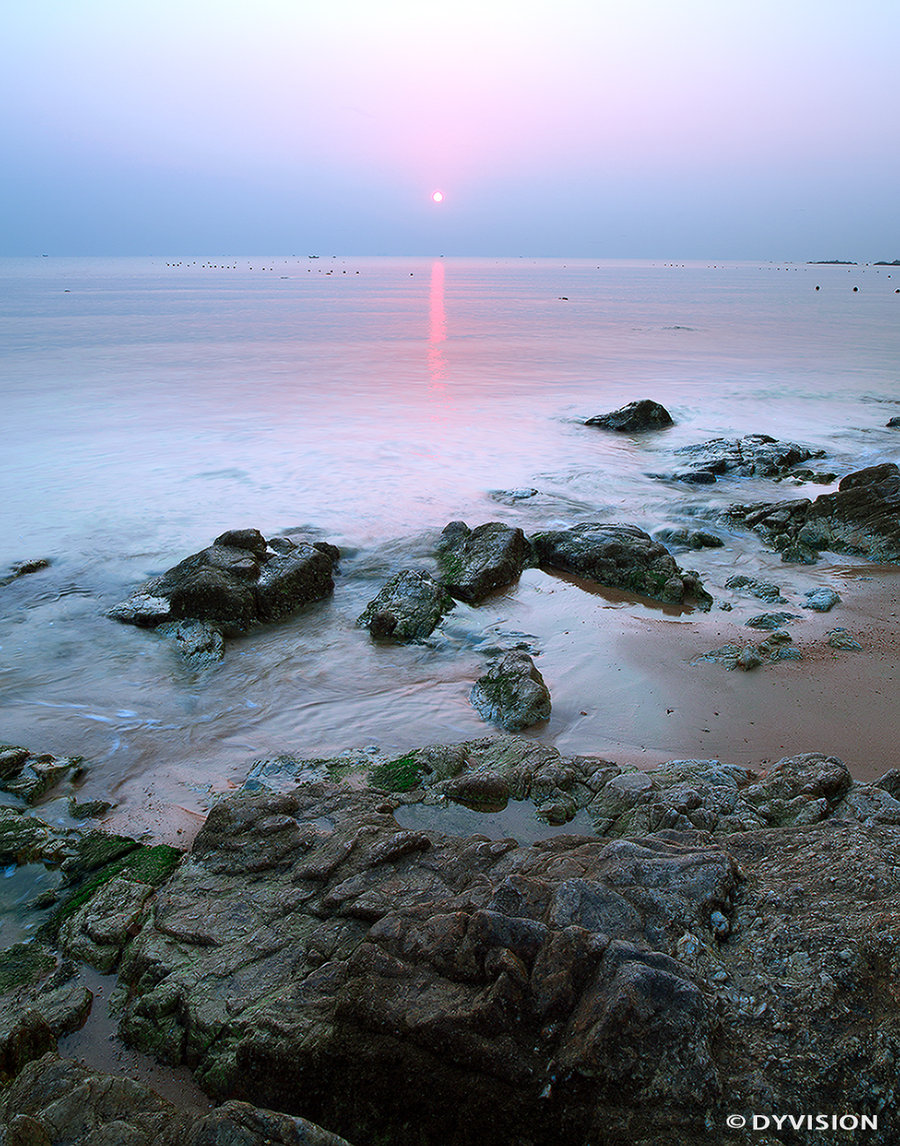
{"x":336,"y":962}
{"x":719,"y":941}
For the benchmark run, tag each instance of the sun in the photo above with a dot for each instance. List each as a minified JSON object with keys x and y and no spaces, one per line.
{"x":437,"y":197}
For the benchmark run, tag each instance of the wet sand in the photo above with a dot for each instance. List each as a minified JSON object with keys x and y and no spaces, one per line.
{"x":844,"y":703}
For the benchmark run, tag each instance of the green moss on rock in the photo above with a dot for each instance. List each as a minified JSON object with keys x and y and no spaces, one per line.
{"x":152,"y":865}
{"x":23,"y":964}
{"x":400,"y":775}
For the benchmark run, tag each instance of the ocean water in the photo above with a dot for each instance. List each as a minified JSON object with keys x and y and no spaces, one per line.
{"x":150,"y":404}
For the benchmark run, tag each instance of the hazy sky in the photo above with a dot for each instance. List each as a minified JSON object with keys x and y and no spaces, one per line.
{"x":645,"y":128}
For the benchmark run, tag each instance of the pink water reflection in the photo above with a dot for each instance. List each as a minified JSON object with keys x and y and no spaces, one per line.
{"x":437,"y":326}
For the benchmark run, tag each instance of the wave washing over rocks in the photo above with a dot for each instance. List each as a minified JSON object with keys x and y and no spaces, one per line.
{"x":335,"y":965}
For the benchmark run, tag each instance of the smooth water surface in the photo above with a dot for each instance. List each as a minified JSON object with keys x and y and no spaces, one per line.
{"x":148,"y":405}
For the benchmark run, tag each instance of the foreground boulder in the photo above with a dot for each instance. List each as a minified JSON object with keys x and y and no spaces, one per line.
{"x":409,"y":607}
{"x":315,"y":959}
{"x":312,"y":957}
{"x":512,"y":693}
{"x":474,"y":562}
{"x":621,"y":557}
{"x":635,"y":418}
{"x":239,"y":581}
{"x":756,"y":455}
{"x":861,"y":517}
{"x":55,"y":1100}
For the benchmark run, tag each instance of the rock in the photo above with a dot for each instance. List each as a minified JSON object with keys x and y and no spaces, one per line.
{"x":32,"y":775}
{"x":756,"y":455}
{"x":199,"y":642}
{"x":56,"y":1100}
{"x":512,"y":693}
{"x":621,"y":557}
{"x":409,"y":607}
{"x":892,"y":423}
{"x":862,"y":517}
{"x":689,"y":538}
{"x":749,"y":658}
{"x":41,"y":1000}
{"x":354,"y":964}
{"x":473,"y":562}
{"x":512,"y":496}
{"x":800,"y":789}
{"x":821,"y":600}
{"x":770,"y":621}
{"x":635,"y":418}
{"x":22,"y":569}
{"x":890,"y":782}
{"x":238,"y":582}
{"x":777,"y":647}
{"x":869,"y":804}
{"x":764,"y":590}
{"x":841,"y":639}
{"x":98,"y":931}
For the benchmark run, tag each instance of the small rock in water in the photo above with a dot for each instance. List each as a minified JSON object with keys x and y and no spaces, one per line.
{"x":689,"y":538}
{"x":821,"y":600}
{"x":512,"y":693}
{"x":23,"y":568}
{"x":764,"y":590}
{"x":635,"y":418}
{"x":474,"y":562}
{"x":409,"y":607}
{"x":510,"y":496}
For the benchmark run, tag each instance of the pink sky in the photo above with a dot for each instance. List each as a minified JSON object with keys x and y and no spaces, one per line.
{"x":643,"y":128}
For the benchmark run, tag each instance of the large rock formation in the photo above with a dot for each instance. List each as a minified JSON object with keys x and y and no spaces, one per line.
{"x":474,"y":562}
{"x":238,"y":581}
{"x":861,"y":517}
{"x":621,"y":557}
{"x":314,"y":958}
{"x":726,"y":943}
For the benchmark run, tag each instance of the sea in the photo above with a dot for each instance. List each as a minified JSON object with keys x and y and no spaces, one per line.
{"x":149,"y":404}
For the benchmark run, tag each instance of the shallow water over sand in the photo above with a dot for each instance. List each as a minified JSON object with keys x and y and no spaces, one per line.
{"x":151,"y":405}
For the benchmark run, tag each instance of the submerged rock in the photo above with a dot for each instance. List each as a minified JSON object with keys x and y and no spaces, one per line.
{"x":756,"y":455}
{"x":474,"y":562}
{"x":22,"y":569}
{"x":862,"y":517}
{"x":238,"y":582}
{"x":621,"y":557}
{"x":635,"y":418}
{"x":512,"y":693}
{"x":409,"y":607}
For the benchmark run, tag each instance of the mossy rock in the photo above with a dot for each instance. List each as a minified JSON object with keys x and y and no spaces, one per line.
{"x":24,"y":964}
{"x":152,"y":865}
{"x":400,"y":775}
